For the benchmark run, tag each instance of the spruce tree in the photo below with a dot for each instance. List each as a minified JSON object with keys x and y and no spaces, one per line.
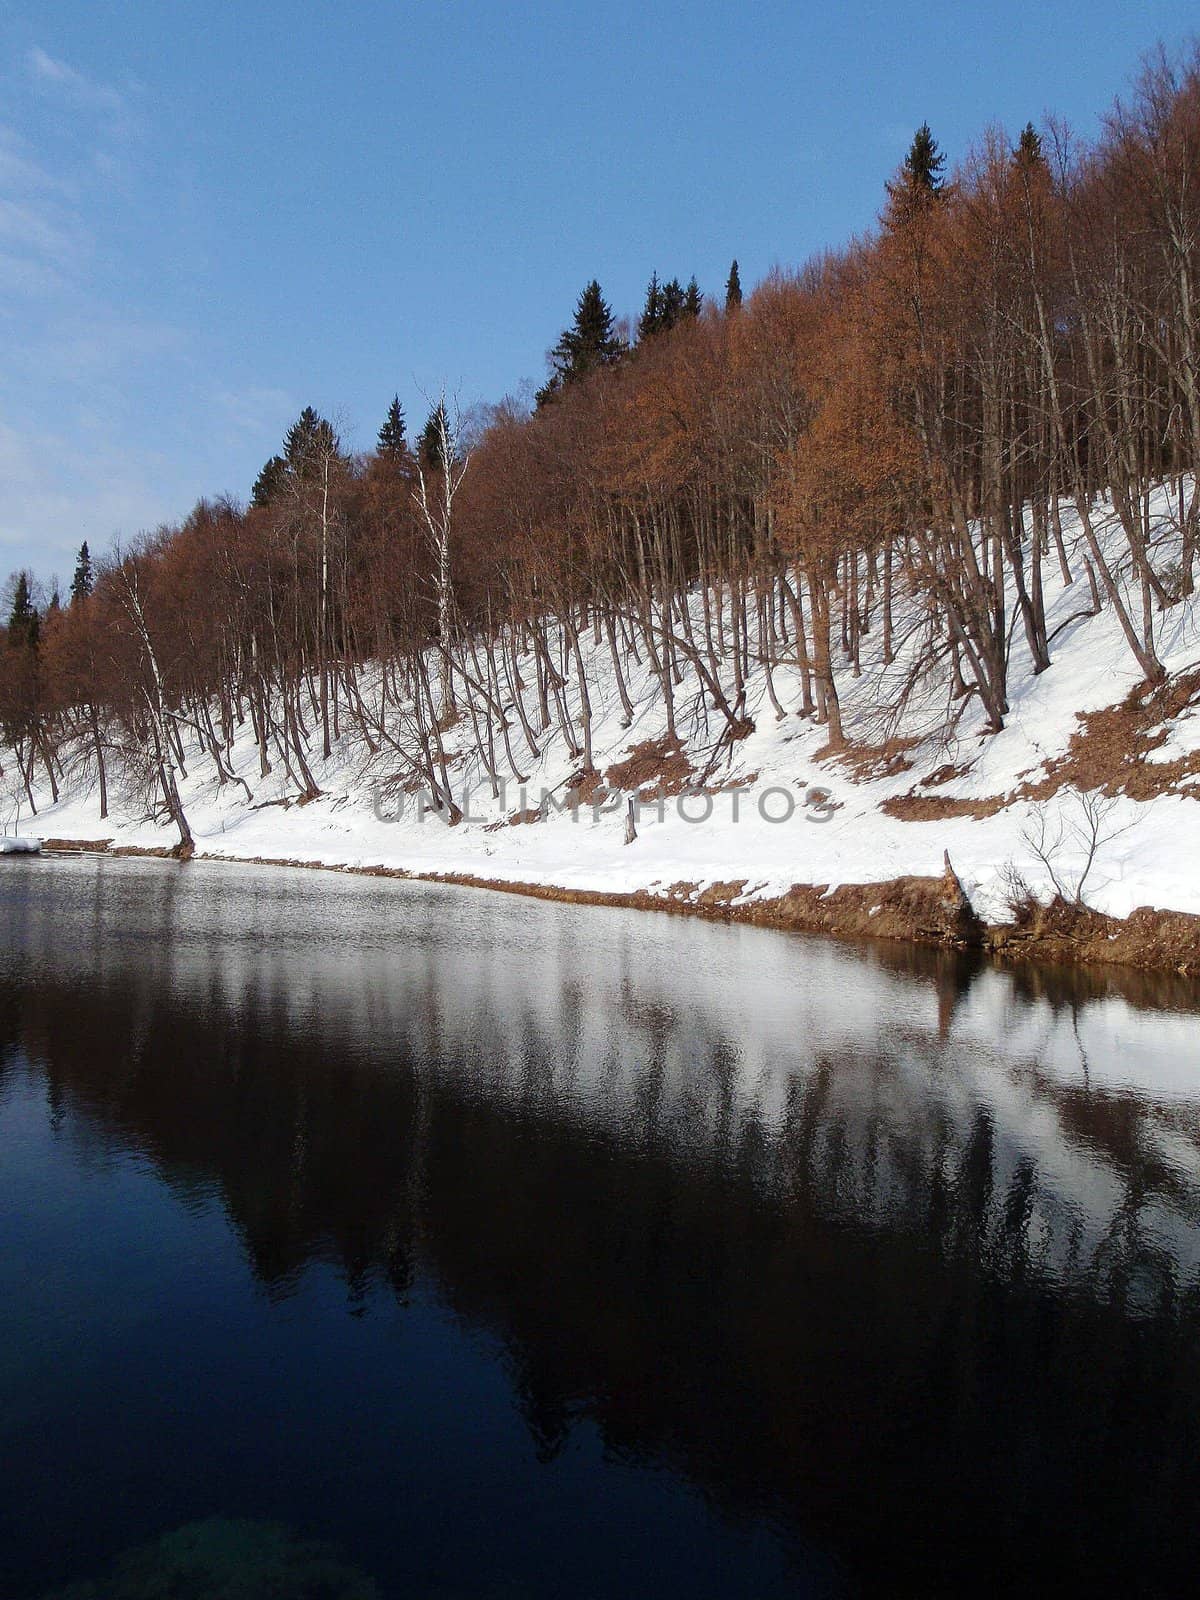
{"x":924,"y":162}
{"x":307,"y":444}
{"x":23,"y":619}
{"x":393,"y":438}
{"x":1028,"y":153}
{"x":651,"y":319}
{"x":673,"y":299}
{"x":667,"y":305}
{"x":270,"y":483}
{"x":589,"y":343}
{"x":429,"y":449}
{"x":84,"y":581}
{"x":309,"y":439}
{"x":919,"y":183}
{"x":733,"y":288}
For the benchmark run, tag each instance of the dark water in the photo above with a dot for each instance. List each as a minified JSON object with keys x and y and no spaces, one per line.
{"x":515,"y":1249}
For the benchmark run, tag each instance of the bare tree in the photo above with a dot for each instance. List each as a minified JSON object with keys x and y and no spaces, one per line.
{"x":436,"y":488}
{"x":163,"y":735}
{"x":1069,"y":849}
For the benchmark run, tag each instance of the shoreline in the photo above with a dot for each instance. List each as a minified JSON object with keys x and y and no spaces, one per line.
{"x":925,"y":912}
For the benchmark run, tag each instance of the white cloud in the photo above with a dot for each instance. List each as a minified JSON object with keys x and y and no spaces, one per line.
{"x":21,"y":277}
{"x":33,"y":229}
{"x":257,"y":411}
{"x":90,"y":385}
{"x":65,"y":332}
{"x":43,"y":237}
{"x":56,"y":76}
{"x":60,"y":491}
{"x":20,"y":171}
{"x":93,"y":341}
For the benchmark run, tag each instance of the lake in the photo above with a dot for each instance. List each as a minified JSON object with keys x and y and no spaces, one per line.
{"x":503,"y":1248}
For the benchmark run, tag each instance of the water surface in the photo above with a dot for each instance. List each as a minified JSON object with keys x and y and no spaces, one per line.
{"x":519,"y":1249}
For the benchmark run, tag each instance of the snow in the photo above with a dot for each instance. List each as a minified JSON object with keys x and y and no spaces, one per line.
{"x":1183,"y":739}
{"x":1150,"y":853}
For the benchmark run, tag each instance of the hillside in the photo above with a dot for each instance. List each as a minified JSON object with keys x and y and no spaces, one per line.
{"x":1086,"y":754}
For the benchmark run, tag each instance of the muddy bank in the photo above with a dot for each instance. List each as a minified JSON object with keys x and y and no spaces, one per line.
{"x":929,"y":912}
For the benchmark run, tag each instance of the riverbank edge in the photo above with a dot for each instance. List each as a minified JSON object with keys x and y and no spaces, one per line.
{"x":928,"y":912}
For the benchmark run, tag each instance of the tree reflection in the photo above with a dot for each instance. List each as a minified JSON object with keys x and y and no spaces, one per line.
{"x":875,"y":1309}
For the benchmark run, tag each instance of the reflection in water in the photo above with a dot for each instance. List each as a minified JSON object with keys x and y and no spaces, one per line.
{"x":892,"y":1258}
{"x":228,"y":1560}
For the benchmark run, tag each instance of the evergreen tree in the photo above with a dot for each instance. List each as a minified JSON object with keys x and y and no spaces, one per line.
{"x":270,"y":483}
{"x":1028,"y":153}
{"x":393,"y":438}
{"x":309,"y":439}
{"x":23,"y":620}
{"x":429,"y":450}
{"x":733,"y":288}
{"x":673,"y":299}
{"x":667,"y":305}
{"x":589,"y":343}
{"x":307,"y":443}
{"x":84,"y":580}
{"x":650,"y":321}
{"x":920,"y":182}
{"x":924,"y":162}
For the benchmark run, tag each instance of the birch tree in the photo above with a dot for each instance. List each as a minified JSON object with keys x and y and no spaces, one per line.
{"x":438,"y":481}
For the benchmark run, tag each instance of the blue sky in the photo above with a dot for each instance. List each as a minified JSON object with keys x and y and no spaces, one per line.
{"x":213,"y":214}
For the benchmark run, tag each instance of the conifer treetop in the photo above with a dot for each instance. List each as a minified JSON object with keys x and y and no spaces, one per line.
{"x":591,"y":342}
{"x":1028,"y":151}
{"x":733,"y":288}
{"x":393,"y":435}
{"x":23,"y":619}
{"x":84,"y":580}
{"x":919,"y":182}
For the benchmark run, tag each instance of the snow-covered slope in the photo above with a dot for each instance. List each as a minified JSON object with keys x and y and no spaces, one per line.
{"x":1149,"y":848}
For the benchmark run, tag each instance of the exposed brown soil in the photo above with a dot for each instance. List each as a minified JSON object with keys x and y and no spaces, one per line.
{"x":937,"y":807}
{"x":910,"y":910}
{"x":1109,"y":749}
{"x":517,"y":819}
{"x":1107,"y":753}
{"x":655,"y":769}
{"x":721,"y":894}
{"x":947,"y":773}
{"x":586,"y":788}
{"x":868,"y":761}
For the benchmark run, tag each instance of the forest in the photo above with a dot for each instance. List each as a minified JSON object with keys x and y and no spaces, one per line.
{"x":878,"y":443}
